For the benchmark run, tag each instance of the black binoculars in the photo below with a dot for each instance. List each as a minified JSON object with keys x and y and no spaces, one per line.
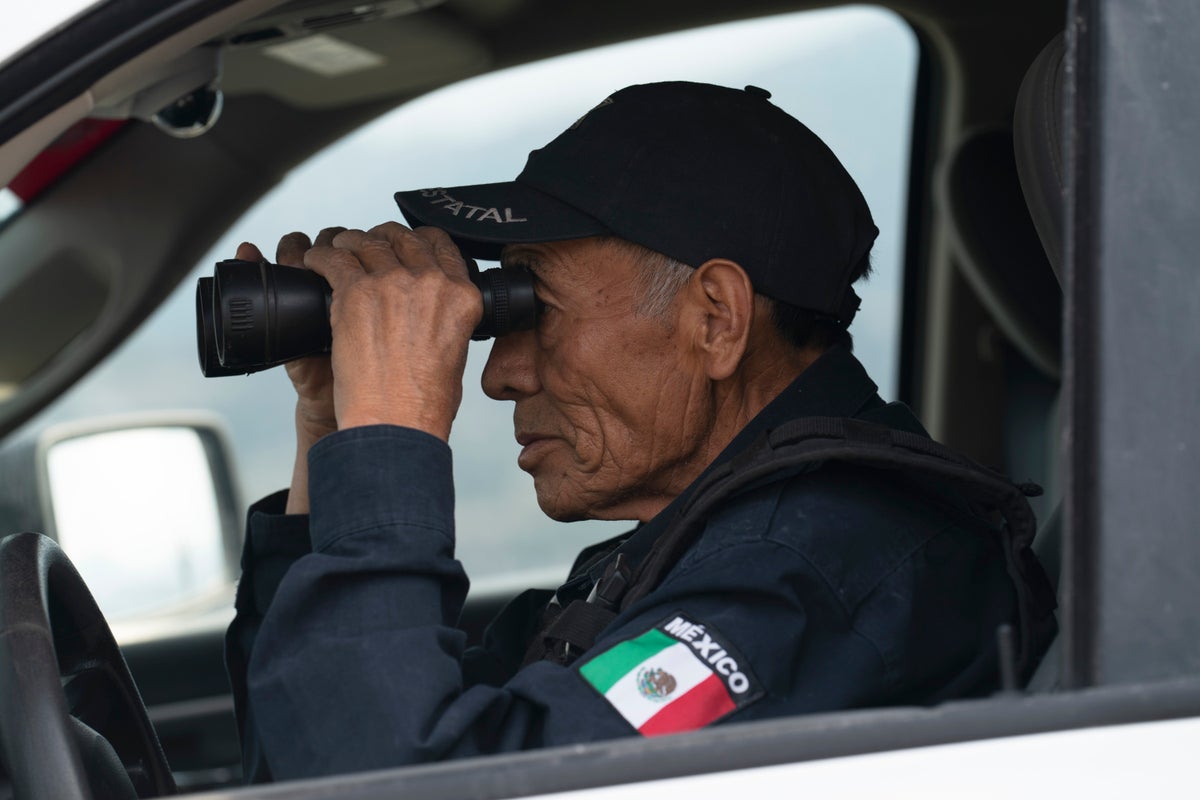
{"x":252,"y":316}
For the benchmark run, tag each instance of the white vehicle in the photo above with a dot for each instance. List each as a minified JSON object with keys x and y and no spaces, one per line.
{"x":1052,"y":332}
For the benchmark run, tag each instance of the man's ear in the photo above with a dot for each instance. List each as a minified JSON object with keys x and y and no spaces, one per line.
{"x":721,"y":299}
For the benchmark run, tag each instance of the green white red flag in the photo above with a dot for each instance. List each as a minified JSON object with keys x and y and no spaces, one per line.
{"x":676,"y":677}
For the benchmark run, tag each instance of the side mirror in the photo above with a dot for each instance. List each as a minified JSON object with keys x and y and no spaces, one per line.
{"x":145,"y":507}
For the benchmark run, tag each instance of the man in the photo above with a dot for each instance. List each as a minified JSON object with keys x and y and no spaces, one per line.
{"x":693,"y":249}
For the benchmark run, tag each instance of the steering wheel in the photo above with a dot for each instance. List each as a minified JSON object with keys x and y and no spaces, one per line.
{"x":72,"y":724}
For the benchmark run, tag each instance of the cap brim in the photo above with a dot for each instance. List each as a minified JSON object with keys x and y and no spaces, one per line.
{"x":482,"y":219}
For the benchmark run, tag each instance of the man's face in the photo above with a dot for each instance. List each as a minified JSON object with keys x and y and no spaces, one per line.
{"x":612,"y":409}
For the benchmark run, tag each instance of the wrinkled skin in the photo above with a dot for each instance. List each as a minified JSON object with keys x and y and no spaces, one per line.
{"x":617,"y":413}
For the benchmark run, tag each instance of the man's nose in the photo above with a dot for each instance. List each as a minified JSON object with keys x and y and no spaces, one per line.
{"x":510,"y":372}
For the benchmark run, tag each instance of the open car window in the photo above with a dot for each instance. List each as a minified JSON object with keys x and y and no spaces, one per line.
{"x":1124,"y":424}
{"x":848,"y":74}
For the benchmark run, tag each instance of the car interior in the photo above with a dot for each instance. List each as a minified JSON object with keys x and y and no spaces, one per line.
{"x":117,"y":211}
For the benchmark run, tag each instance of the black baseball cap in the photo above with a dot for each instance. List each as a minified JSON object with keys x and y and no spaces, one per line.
{"x":691,"y":170}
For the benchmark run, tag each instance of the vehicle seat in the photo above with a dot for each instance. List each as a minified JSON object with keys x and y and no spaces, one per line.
{"x":1037,"y":146}
{"x":997,"y":247}
{"x":1037,"y":143}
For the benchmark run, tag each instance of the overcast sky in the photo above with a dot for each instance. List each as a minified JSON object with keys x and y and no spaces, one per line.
{"x":848,"y":74}
{"x":26,"y":23}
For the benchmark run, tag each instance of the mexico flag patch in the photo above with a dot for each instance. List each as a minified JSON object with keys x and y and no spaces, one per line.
{"x":675,"y":677}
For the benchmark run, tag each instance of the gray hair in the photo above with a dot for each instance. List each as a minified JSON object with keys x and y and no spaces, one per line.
{"x":658,"y":278}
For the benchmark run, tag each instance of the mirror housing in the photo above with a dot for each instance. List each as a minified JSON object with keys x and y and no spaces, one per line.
{"x":146,"y":506}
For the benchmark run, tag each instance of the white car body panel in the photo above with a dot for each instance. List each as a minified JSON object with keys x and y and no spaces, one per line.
{"x":1151,"y":759}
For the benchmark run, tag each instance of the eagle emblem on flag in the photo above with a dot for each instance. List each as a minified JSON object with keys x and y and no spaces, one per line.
{"x":655,"y":684}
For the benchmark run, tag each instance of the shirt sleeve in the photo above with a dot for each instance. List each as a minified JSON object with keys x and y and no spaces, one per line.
{"x":274,"y":541}
{"x":357,"y":662}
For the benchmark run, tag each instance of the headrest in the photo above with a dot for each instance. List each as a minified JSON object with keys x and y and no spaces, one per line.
{"x":998,"y":250}
{"x":1037,"y":143}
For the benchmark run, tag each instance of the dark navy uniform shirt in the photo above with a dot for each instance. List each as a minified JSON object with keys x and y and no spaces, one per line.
{"x":836,"y":589}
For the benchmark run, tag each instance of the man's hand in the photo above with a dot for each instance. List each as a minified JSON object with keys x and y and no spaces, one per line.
{"x":311,"y":377}
{"x":402,"y":314}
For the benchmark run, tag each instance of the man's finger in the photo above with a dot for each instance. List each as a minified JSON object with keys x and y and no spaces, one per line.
{"x":325,"y":237}
{"x":373,"y":253}
{"x":340,"y":266}
{"x":408,"y":245}
{"x":248,"y":252}
{"x":415,"y":251}
{"x":390,"y":231}
{"x":449,"y":256}
{"x":291,"y":249}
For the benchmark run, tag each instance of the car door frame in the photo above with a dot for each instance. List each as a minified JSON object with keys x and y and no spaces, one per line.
{"x":1131,"y":652}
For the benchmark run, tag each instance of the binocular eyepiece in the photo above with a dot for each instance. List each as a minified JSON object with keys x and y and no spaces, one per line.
{"x":252,"y":316}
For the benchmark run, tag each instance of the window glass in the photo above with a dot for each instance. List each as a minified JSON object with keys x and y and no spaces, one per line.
{"x":169,"y":552}
{"x":847,"y":73}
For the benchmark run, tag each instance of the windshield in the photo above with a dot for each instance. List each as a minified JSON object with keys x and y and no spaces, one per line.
{"x":481,"y":130}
